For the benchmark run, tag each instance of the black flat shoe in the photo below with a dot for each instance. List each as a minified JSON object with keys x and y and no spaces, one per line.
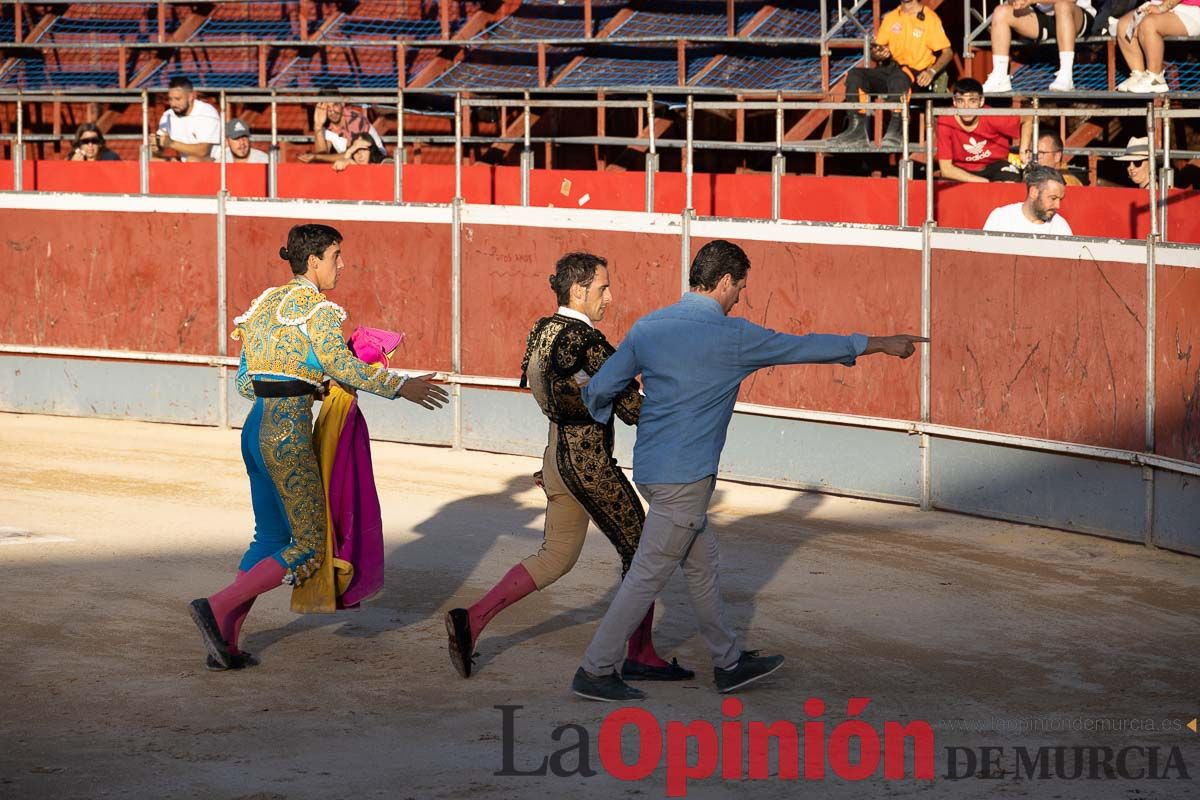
{"x":458,"y":628}
{"x":202,"y":615}
{"x":637,"y":671}
{"x":238,"y":661}
{"x":605,"y":688}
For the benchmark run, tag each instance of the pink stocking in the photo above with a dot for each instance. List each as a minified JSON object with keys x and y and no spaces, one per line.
{"x":641,"y":646}
{"x":515,"y":584}
{"x":231,"y":604}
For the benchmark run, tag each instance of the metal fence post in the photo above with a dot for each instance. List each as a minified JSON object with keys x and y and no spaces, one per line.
{"x":688,"y":167}
{"x":19,"y":149}
{"x":144,"y":152}
{"x":273,"y":153}
{"x":929,"y":132}
{"x":778,"y":161}
{"x":1168,"y":173}
{"x":221,"y":143}
{"x":526,"y":153}
{"x":397,"y":190}
{"x":652,"y":156}
{"x":458,"y":145}
{"x":905,"y":172}
{"x":1151,"y":165}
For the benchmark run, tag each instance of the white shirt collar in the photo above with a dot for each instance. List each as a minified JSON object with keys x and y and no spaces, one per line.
{"x":573,"y":314}
{"x":309,"y":281}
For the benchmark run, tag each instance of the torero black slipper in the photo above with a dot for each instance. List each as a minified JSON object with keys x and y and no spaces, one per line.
{"x":202,"y":615}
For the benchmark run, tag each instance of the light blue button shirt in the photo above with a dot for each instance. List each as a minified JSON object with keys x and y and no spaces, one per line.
{"x":692,"y":359}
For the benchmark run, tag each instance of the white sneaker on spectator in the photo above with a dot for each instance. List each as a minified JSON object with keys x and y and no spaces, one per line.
{"x":1063,"y":82}
{"x":997,"y":83}
{"x":1155,"y":84}
{"x":1135,"y":77}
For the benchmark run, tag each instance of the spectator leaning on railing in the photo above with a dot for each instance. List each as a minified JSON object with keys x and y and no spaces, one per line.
{"x":1044,"y":191}
{"x":335,"y":126}
{"x":1140,"y":36}
{"x":189,"y":126}
{"x":362,"y":150}
{"x":89,"y":145}
{"x":1062,"y":20}
{"x":911,"y":47}
{"x":974,"y":149}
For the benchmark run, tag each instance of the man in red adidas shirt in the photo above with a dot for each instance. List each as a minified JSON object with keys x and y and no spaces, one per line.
{"x":974,"y":149}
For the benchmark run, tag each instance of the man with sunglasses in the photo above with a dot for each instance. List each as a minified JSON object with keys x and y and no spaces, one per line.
{"x":1136,"y":155}
{"x":911,"y":47}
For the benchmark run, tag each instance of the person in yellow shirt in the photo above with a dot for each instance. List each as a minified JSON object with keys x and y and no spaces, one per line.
{"x":910,"y":47}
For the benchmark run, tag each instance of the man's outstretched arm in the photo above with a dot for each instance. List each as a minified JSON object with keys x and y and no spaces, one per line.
{"x":611,"y":380}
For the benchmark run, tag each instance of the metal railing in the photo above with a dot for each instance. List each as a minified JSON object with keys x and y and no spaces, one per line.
{"x":652,"y":107}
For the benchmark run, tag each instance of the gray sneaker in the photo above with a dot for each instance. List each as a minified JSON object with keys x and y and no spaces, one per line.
{"x":750,"y":667}
{"x":605,"y":688}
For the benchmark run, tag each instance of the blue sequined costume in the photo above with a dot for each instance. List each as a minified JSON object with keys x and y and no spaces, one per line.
{"x":292,"y":332}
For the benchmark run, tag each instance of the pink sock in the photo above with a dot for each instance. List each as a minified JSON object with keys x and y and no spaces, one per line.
{"x":238,"y":616}
{"x":515,"y":584}
{"x":262,"y":577}
{"x":641,"y":644}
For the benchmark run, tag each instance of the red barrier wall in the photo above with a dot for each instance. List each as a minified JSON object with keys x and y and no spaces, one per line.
{"x":397,"y":277}
{"x":1041,"y":347}
{"x":96,"y":279}
{"x":1177,"y":365}
{"x":1092,"y":211}
{"x":505,"y":273}
{"x":802,"y":288}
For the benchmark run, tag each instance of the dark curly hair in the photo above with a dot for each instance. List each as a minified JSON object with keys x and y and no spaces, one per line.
{"x":307,"y":240}
{"x":573,"y":268}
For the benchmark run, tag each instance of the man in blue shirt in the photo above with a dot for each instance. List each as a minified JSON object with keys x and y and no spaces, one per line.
{"x":693,"y":358}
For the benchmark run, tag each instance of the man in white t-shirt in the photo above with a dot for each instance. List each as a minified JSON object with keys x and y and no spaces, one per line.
{"x":189,"y":126}
{"x":1045,"y":190}
{"x":237,"y":145}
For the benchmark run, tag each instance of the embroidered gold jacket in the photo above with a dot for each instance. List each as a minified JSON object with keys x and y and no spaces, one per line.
{"x":292,"y":331}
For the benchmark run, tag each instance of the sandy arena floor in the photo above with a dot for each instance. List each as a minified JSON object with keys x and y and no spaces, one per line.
{"x":997,"y":634}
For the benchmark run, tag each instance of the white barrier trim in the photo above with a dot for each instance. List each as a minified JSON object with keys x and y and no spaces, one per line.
{"x":1012,"y":244}
{"x":72,"y":201}
{"x":572,"y":218}
{"x":800,"y":232}
{"x":1177,"y":255}
{"x":339,"y":211}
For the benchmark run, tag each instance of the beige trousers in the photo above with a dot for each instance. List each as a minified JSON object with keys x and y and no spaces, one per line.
{"x":566,"y":523}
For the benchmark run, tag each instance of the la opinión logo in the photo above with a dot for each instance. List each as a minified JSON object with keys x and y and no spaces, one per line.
{"x":735,"y":749}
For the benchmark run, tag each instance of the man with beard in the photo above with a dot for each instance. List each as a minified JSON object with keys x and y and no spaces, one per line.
{"x":189,"y":126}
{"x":1045,"y":189}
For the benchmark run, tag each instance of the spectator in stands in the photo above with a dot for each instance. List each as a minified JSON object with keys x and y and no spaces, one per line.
{"x":975,"y":149}
{"x":1061,"y":20}
{"x":1140,"y":36}
{"x":335,"y":127}
{"x":1137,"y":154}
{"x":362,"y":150}
{"x":189,"y":126}
{"x":89,"y":145}
{"x":911,"y":47}
{"x":1044,"y":191}
{"x":237,"y":144}
{"x":1050,"y":154}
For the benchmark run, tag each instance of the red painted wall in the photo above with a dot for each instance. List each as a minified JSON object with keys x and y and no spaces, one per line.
{"x":1039,"y":347}
{"x":397,"y":277}
{"x":801,"y":288}
{"x":113,"y":281}
{"x":1177,"y":364}
{"x":505,"y":280}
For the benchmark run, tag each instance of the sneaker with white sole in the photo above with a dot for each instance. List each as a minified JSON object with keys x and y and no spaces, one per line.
{"x":1133,"y":80}
{"x":997,"y":83}
{"x":749,"y":667}
{"x":1063,"y":82}
{"x":1155,"y":84}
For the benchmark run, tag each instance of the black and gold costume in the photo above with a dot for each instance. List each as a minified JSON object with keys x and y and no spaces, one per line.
{"x":561,"y":353}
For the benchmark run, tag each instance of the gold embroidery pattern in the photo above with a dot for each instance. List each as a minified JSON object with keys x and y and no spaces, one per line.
{"x":558,"y":348}
{"x":285,"y":440}
{"x":325,"y":329}
{"x":289,"y":327}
